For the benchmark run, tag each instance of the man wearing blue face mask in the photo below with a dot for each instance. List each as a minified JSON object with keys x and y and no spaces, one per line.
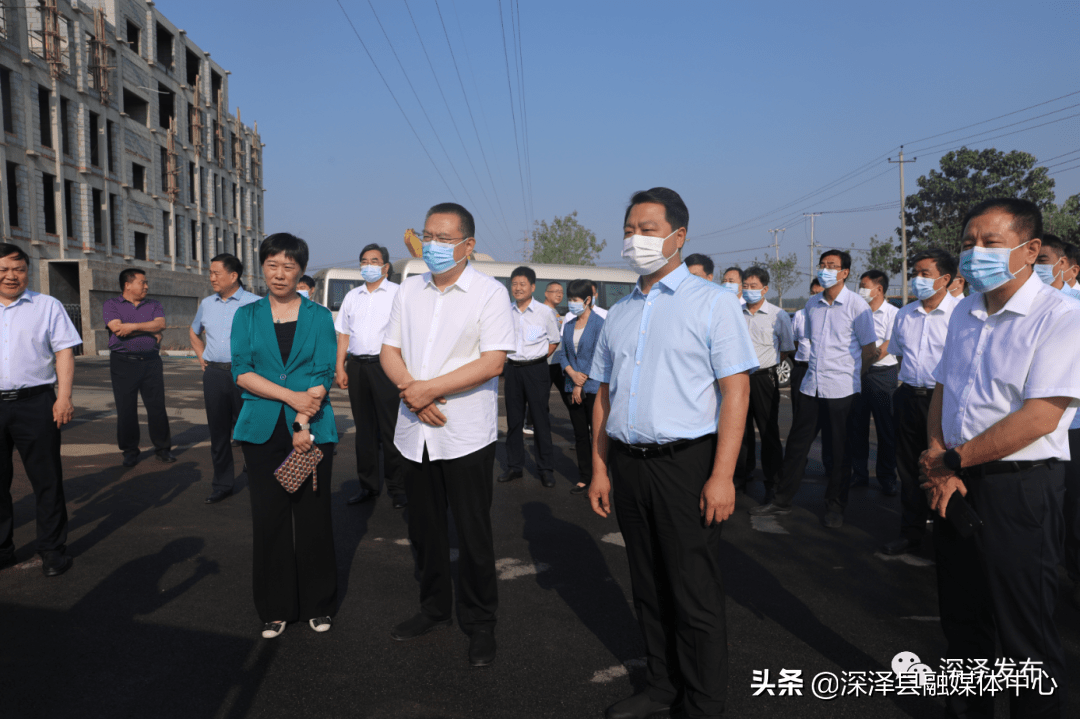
{"x":771,"y":333}
{"x":1006,"y":390}
{"x":360,"y":325}
{"x":918,"y":339}
{"x":1052,"y":264}
{"x":732,"y":282}
{"x":843,"y":344}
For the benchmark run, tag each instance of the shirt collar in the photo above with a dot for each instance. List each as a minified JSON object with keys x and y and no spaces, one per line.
{"x":529,"y":308}
{"x":238,"y":295}
{"x":947,"y":302}
{"x":1019,"y":304}
{"x":380,"y":288}
{"x":463,"y":281}
{"x":766,"y":308}
{"x":670,"y":282}
{"x":28,"y":295}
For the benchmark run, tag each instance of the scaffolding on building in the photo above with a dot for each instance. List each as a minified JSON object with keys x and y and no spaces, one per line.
{"x":196,"y":118}
{"x":173,"y":172}
{"x":50,"y":20}
{"x":99,"y":58}
{"x":219,"y":139}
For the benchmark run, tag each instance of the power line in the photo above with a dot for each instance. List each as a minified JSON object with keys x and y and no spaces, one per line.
{"x":520,"y":50}
{"x":932,"y":148}
{"x":513,"y":115}
{"x":983,"y":122}
{"x":394,"y":97}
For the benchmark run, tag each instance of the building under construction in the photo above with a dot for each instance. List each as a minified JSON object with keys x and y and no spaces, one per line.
{"x":119,"y":151}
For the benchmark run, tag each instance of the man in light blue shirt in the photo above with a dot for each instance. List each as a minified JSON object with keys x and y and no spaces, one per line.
{"x":220,"y":393}
{"x":673,"y":361}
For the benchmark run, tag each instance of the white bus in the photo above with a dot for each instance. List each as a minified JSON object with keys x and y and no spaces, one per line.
{"x":613,"y":284}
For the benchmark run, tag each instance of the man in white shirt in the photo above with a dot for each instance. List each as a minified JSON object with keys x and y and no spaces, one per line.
{"x":958,"y":287}
{"x":799,"y":364}
{"x":773,"y":340}
{"x":360,"y":324}
{"x":446,"y":343}
{"x":732,"y":282}
{"x":918,"y":338}
{"x":700,"y":265}
{"x":1005,"y":394}
{"x":876,"y":397}
{"x":526,"y":378}
{"x":843,"y":342}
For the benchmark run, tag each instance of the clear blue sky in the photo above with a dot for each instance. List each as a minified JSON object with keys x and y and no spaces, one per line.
{"x":742,"y":108}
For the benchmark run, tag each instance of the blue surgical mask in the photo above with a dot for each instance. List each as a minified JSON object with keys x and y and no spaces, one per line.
{"x":826,"y":277}
{"x":371,"y":273}
{"x":576,"y":307}
{"x":439,"y":258}
{"x":304,"y":294}
{"x":922,"y":287}
{"x":987,"y":268}
{"x":1046,"y":273}
{"x":731,"y":287}
{"x":752,"y":297}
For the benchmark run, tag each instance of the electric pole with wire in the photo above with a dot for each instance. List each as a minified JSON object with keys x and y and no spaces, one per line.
{"x":903,"y":223}
{"x":776,"y":242}
{"x":812,"y":215}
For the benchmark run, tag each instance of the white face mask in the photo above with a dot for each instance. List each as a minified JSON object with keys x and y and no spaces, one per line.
{"x":866,"y":294}
{"x":646,"y":254}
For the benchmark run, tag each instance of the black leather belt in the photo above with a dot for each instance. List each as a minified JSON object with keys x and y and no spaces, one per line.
{"x":919,"y":391}
{"x":134,"y":357}
{"x":800,"y":363}
{"x":649,"y":451}
{"x":1008,"y":466}
{"x":227,"y":366}
{"x":767,"y":370}
{"x":526,"y":363}
{"x":364,"y":359}
{"x":13,"y":395}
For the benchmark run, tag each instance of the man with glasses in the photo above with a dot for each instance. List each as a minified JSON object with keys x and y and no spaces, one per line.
{"x":843,"y":342}
{"x":360,"y":325}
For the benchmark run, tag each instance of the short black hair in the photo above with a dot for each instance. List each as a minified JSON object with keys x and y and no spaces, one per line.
{"x":813,"y":282}
{"x":579,"y":288}
{"x":595,"y":287}
{"x":735,"y":269}
{"x":466,"y":223}
{"x":1072,"y":251}
{"x":1055,"y":243}
{"x":282,"y":242}
{"x":307,"y":280}
{"x":877,"y":277}
{"x":553,"y":283}
{"x":946,"y":263}
{"x":1027,"y":217}
{"x":231,"y":263}
{"x":8,"y":249}
{"x":757,"y":271}
{"x":845,"y":258}
{"x":698,"y":259}
{"x":382,"y":251}
{"x":128,"y":275}
{"x":526,"y":272}
{"x":675,"y":211}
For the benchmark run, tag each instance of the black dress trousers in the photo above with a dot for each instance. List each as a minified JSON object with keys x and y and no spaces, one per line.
{"x":223,"y":402}
{"x":675,"y":575}
{"x":1072,"y":507}
{"x":294,"y":574}
{"x":834,"y":415}
{"x":1004,"y":581}
{"x":764,"y":411}
{"x":27,"y":425}
{"x":913,"y":408}
{"x":581,"y":420}
{"x":465,"y":486}
{"x":375,"y":400}
{"x":133,"y":375}
{"x":530,"y":383}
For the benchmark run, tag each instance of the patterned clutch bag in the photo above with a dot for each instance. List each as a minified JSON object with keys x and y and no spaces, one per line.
{"x":296,"y":468}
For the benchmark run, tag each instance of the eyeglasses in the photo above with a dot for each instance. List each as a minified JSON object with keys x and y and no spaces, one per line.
{"x":441,"y":239}
{"x":371,"y":263}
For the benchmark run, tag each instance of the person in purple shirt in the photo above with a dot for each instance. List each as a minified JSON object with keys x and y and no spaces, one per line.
{"x":135,"y":325}
{"x":36,"y":352}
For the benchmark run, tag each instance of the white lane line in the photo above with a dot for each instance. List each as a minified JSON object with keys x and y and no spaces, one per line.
{"x":510,"y":568}
{"x":906,"y":559}
{"x":619,"y":670}
{"x":615,"y":538}
{"x":402,"y":542}
{"x":769,"y":525}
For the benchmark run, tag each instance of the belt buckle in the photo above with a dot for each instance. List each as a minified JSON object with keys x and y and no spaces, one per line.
{"x":9,"y":395}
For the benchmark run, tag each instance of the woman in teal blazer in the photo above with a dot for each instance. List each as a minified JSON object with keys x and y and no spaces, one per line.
{"x":284,"y":352}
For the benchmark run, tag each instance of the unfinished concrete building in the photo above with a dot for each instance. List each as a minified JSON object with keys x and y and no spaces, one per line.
{"x":119,"y":151}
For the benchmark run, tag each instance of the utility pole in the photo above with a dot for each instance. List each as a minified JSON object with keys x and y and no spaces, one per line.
{"x":811,"y":215}
{"x":903,"y":223}
{"x":524,"y":245}
{"x":776,"y":242}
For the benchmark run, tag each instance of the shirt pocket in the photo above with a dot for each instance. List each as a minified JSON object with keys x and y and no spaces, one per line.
{"x":534,"y":334}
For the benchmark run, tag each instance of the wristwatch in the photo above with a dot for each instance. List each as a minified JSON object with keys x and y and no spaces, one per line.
{"x":952,"y":460}
{"x":297,"y":427}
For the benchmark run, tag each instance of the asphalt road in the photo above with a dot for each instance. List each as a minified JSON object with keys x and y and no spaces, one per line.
{"x":156,"y":620}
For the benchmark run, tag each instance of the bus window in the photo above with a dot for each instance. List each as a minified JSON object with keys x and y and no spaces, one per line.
{"x":336,"y":291}
{"x":612,"y":292}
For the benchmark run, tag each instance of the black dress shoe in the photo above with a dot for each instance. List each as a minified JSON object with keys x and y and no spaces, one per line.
{"x":400,"y":501}
{"x":363,"y":496}
{"x":579,"y":488}
{"x":130,"y":460}
{"x":639,"y":706}
{"x":417,"y":626}
{"x":510,"y":475}
{"x":481,"y":648}
{"x":217,"y":495}
{"x":53,"y":564}
{"x":547,"y":479}
{"x":903,"y":545}
{"x":165,"y":455}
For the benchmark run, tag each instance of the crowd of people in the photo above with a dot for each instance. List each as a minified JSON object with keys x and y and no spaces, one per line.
{"x":973,"y":398}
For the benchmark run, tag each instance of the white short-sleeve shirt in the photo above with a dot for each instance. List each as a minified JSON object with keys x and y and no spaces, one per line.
{"x":363,"y":316}
{"x":802,"y":337}
{"x":770,"y":332}
{"x":35,"y":327}
{"x":537,"y":327}
{"x":993,"y":363}
{"x":838,"y":332}
{"x":919,"y":337}
{"x":438,"y":332}
{"x":884,"y":317}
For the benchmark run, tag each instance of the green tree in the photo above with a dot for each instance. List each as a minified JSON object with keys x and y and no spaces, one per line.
{"x":1064,"y":221}
{"x":783,"y":274}
{"x":885,"y":256}
{"x":967,"y":177}
{"x":565,"y":241}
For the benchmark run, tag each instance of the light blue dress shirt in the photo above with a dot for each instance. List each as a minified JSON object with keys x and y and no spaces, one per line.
{"x":35,"y":328}
{"x":661,"y":355}
{"x":215,"y":316}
